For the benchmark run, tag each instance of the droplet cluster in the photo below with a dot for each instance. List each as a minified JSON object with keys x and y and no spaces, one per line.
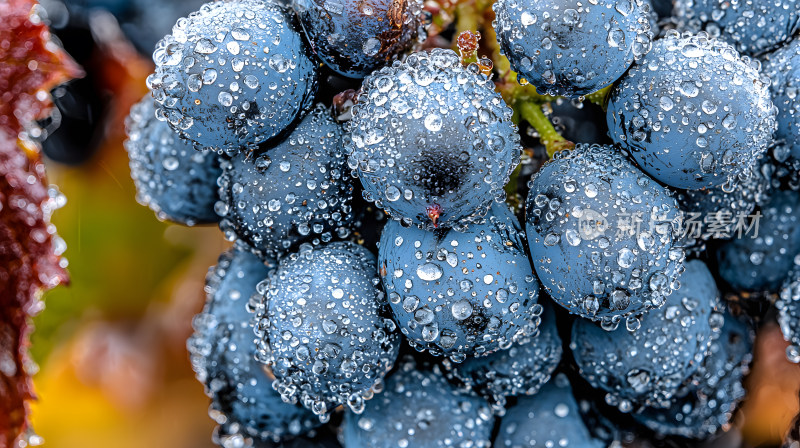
{"x":647,"y":360}
{"x":711,"y":214}
{"x":736,"y":198}
{"x":783,"y":69}
{"x":548,"y":419}
{"x":296,"y":191}
{"x":706,"y":403}
{"x":789,"y":314}
{"x":431,"y":141}
{"x":761,"y":262}
{"x":572,"y":47}
{"x":692,"y":113}
{"x":357,"y":38}
{"x":248,"y":410}
{"x":457,"y":293}
{"x":233,"y":74}
{"x":323,"y":330}
{"x":602,"y":235}
{"x":171,"y":178}
{"x":752,"y":26}
{"x":418,"y":408}
{"x":521,"y":369}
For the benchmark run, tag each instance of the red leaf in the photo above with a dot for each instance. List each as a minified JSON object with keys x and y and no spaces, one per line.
{"x":30,"y":65}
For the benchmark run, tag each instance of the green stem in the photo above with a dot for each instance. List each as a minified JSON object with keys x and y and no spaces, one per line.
{"x":512,"y":195}
{"x":600,"y":97}
{"x":550,"y":138}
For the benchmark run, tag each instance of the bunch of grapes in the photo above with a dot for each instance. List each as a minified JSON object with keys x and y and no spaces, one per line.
{"x":466,"y":224}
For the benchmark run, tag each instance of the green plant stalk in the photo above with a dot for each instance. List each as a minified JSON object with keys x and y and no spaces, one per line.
{"x":553,"y":141}
{"x":600,"y":97}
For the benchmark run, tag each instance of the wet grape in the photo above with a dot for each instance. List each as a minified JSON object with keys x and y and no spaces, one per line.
{"x":175,"y":181}
{"x":783,"y":68}
{"x":431,"y":141}
{"x":548,"y":419}
{"x":706,"y":404}
{"x":460,"y":294}
{"x":647,"y":360}
{"x":571,"y":47}
{"x":296,"y":191}
{"x":762,"y":260}
{"x":418,"y":408}
{"x":357,"y":38}
{"x":603,"y":236}
{"x":222,"y":352}
{"x":323,"y":329}
{"x":233,"y":74}
{"x":692,"y":113}
{"x":521,"y":369}
{"x":752,"y":26}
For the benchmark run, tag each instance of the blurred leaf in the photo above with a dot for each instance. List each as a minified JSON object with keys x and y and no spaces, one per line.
{"x":30,"y":65}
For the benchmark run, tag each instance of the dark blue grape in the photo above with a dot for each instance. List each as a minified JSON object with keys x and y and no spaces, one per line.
{"x":572,"y":47}
{"x":579,"y":122}
{"x":322,"y":327}
{"x":789,"y":314}
{"x":178,"y":183}
{"x":706,"y":403}
{"x":432,"y":142}
{"x":587,"y":248}
{"x":149,"y":20}
{"x":521,"y":369}
{"x":355,"y":38}
{"x":460,"y":294}
{"x":764,"y":262}
{"x":648,"y":362}
{"x":418,"y":408}
{"x":233,"y":74}
{"x":711,"y":213}
{"x":752,"y":26}
{"x":223,"y":352}
{"x":326,"y":440}
{"x":296,"y":191}
{"x":662,"y":7}
{"x":692,"y":113}
{"x":741,"y":198}
{"x":783,"y":68}
{"x":548,"y":419}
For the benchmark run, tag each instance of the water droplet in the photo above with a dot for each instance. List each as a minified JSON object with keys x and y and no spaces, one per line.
{"x":371,"y":47}
{"x":462,"y":309}
{"x":205,"y":46}
{"x":429,"y":272}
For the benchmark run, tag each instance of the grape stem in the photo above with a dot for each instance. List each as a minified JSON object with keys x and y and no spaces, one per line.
{"x":600,"y":97}
{"x":550,"y":138}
